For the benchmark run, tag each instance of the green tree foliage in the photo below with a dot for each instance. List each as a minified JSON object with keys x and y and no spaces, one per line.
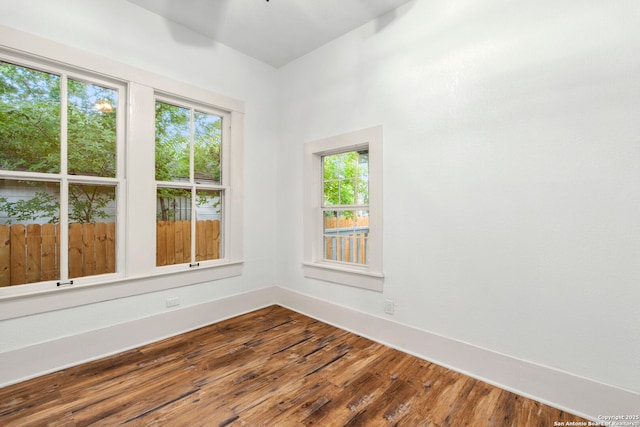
{"x":43,"y":205}
{"x":206,"y":147}
{"x":30,"y":120}
{"x":172,"y":142}
{"x":346,"y":178}
{"x":173,"y":156}
{"x":30,"y":136}
{"x":91,"y":118}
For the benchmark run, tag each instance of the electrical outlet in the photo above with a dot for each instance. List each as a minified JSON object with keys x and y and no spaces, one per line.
{"x":172,"y":302}
{"x":388,"y":306}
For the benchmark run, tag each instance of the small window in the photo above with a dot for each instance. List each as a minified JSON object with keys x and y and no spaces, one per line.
{"x":60,"y":175}
{"x":345,"y":191}
{"x":343,"y":209}
{"x":191,"y":177}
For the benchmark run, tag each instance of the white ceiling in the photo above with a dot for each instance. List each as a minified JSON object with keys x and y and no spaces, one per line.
{"x":275,"y":31}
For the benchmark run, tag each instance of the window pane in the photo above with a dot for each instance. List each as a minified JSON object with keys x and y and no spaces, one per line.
{"x":346,"y":178}
{"x":173,"y":226}
{"x":347,"y":192}
{"x":208,"y":225}
{"x":172,"y":142}
{"x":362,"y":184}
{"x":29,"y":233}
{"x":30,"y":117}
{"x":330,"y":235}
{"x":331,"y":167}
{"x":331,"y":195}
{"x":92,"y":129}
{"x":346,"y":236}
{"x":350,"y":164}
{"x":206,"y":150}
{"x":92,"y":230}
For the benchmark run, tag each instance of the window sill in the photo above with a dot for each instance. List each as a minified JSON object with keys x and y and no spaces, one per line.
{"x":59,"y":298}
{"x":343,"y":275}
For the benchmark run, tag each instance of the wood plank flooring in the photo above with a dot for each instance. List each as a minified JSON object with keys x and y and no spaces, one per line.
{"x":271,"y":367}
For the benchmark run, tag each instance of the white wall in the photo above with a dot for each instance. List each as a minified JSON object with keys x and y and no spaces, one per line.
{"x":511,"y":153}
{"x":129,"y":34}
{"x":511,"y":173}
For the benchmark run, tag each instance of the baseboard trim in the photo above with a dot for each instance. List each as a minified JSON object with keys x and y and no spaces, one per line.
{"x":562,"y":390}
{"x":40,"y":359}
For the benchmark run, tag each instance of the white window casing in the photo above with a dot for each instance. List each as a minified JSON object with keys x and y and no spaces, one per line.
{"x":135,"y":182}
{"x":369,"y":276}
{"x":223,"y":186}
{"x":65,"y":179}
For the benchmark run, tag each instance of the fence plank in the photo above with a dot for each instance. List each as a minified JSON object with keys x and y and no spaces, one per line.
{"x":34,"y":256}
{"x":5,"y":255}
{"x":362,"y":258}
{"x":347,"y":248}
{"x":208,"y":228}
{"x":186,"y":239}
{"x":179,"y":243}
{"x":201,"y":242}
{"x":88,"y":249}
{"x":75,"y":250}
{"x":18,"y":254}
{"x":329,"y":248}
{"x":171,"y":242}
{"x":216,"y":239}
{"x":111,"y":247}
{"x":100,"y":234}
{"x":48,"y":232}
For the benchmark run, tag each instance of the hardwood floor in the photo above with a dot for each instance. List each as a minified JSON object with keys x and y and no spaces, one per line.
{"x":271,"y":367}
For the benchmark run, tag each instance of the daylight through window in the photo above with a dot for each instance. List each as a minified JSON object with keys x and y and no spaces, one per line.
{"x":190,"y":177}
{"x":345,"y":208}
{"x":61,"y":136}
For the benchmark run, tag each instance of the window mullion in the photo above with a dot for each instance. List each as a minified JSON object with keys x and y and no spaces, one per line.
{"x":193,"y":224}
{"x":191,"y":145}
{"x":64,"y":182}
{"x":64,"y":98}
{"x":193,"y":185}
{"x":345,"y":208}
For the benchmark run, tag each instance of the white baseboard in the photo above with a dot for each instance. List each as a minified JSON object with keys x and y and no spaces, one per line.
{"x":33,"y":361}
{"x":561,"y":390}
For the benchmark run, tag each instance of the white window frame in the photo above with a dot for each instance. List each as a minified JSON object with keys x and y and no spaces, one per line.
{"x":192,"y":186}
{"x":137,"y":270}
{"x":315,"y":266}
{"x":64,"y":179}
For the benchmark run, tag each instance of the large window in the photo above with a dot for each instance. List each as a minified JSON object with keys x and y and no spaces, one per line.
{"x":191,"y":176}
{"x":79,"y":219}
{"x":343,"y":209}
{"x":61,"y":173}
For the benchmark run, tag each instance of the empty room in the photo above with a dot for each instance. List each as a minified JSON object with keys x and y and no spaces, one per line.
{"x":336,"y":212}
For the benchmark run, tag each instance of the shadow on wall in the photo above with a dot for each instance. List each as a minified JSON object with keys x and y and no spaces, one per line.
{"x":217,"y":20}
{"x":387,"y":19}
{"x":179,"y":31}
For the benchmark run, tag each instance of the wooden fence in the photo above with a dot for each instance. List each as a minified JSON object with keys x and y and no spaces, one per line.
{"x":346,"y":239}
{"x":31,"y":253}
{"x":173,"y":241}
